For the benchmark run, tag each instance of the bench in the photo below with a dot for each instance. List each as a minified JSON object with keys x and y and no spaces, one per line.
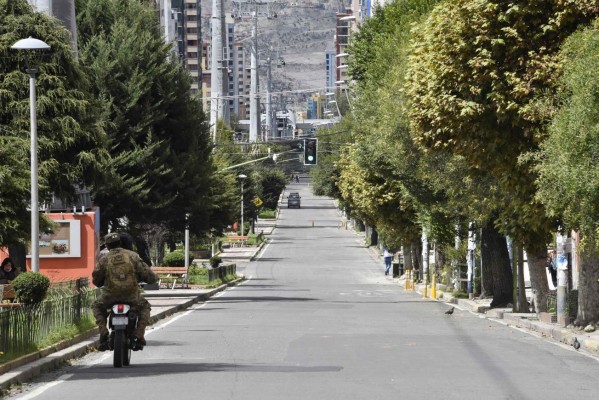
{"x":7,"y":295}
{"x":175,"y":273}
{"x":236,"y":240}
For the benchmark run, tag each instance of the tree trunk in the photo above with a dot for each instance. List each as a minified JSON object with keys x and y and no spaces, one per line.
{"x":407,"y":256}
{"x":537,"y":259}
{"x":440,"y":261}
{"x":496,"y":261}
{"x":588,"y":288}
{"x":417,"y":256}
{"x":143,"y":250}
{"x":486,"y":269}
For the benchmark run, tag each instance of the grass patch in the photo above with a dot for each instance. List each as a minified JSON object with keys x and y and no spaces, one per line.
{"x":55,"y":336}
{"x":218,"y":282}
{"x":268,"y":214}
{"x":66,"y":333}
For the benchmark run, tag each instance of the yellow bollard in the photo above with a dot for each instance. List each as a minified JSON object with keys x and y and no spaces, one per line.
{"x":407,"y":282}
{"x":412,"y":279}
{"x":434,"y":288}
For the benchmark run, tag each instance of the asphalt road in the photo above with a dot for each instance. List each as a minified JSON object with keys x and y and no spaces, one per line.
{"x":317,"y":319}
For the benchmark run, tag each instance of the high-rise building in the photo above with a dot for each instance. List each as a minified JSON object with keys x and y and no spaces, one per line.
{"x":193,"y":43}
{"x":241,"y":77}
{"x":171,"y":21}
{"x":316,"y":106}
{"x":330,"y":69}
{"x":343,"y":31}
{"x":181,"y":25}
{"x":63,"y":10}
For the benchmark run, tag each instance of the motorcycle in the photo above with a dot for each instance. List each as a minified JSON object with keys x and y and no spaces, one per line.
{"x":122,"y":322}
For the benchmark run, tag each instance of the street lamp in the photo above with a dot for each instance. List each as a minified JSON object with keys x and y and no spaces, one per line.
{"x":33,"y":49}
{"x":242,"y":178}
{"x":187,"y":240}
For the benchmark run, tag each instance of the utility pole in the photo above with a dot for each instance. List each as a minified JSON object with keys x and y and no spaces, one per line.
{"x":254,"y":9}
{"x":254,"y":96}
{"x":470,"y":260}
{"x":216,"y":70}
{"x":425,"y":263}
{"x":561,"y":263}
{"x":268,"y":99}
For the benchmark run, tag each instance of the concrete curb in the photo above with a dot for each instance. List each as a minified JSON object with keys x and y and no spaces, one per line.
{"x":264,"y":243}
{"x":33,"y":365}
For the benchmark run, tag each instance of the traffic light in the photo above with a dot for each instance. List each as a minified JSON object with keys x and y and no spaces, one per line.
{"x":310,"y":150}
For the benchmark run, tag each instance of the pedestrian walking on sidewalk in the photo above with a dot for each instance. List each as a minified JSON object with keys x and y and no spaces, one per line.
{"x":388,"y":257}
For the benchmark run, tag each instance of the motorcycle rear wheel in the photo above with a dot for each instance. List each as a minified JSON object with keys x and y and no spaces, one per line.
{"x":120,"y":348}
{"x":127,"y":353}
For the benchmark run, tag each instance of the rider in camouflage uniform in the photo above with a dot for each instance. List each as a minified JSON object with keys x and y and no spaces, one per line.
{"x":118,"y":273}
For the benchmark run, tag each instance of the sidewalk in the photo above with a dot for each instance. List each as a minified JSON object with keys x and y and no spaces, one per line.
{"x":248,"y":253}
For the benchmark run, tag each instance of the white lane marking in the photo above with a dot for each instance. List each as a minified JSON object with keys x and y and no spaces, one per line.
{"x":259,"y":256}
{"x":47,"y":386}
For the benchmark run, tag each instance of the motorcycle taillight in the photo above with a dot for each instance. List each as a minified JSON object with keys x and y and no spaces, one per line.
{"x":120,"y":308}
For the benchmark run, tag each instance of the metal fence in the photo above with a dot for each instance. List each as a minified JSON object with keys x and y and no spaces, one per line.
{"x":23,"y":328}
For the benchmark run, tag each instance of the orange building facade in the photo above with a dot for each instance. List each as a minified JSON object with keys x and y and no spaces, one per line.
{"x":69,"y":251}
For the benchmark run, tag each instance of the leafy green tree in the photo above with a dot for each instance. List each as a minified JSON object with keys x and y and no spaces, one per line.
{"x":161,"y":166}
{"x":388,"y":165}
{"x":326,"y":174}
{"x":475,"y":70}
{"x":568,"y":182}
{"x":71,"y":142}
{"x":270,"y":183}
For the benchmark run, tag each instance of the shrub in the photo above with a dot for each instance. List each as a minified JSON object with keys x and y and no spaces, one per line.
{"x":174,"y":259}
{"x":197,"y":271}
{"x":31,"y":287}
{"x":215,"y":261}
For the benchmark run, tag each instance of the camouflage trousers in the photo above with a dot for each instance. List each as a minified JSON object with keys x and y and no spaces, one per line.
{"x":137,"y":302}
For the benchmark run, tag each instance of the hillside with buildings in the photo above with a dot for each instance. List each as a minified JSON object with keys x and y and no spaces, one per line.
{"x":296,"y":41}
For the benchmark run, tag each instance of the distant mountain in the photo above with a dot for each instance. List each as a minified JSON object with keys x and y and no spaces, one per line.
{"x":300,"y":34}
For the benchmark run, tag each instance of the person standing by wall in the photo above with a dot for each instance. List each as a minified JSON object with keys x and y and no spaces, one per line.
{"x":8,"y":271}
{"x":388,"y":257}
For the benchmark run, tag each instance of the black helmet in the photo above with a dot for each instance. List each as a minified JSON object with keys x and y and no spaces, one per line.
{"x":112,"y":238}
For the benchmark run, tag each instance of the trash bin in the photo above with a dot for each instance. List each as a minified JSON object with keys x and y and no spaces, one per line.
{"x":395,"y":269}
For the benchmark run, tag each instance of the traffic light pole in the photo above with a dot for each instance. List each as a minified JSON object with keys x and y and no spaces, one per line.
{"x":310,"y":151}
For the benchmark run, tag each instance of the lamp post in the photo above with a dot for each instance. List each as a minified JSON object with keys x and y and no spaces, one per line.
{"x":242,"y":178}
{"x":33,"y":49}
{"x":187,"y":240}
